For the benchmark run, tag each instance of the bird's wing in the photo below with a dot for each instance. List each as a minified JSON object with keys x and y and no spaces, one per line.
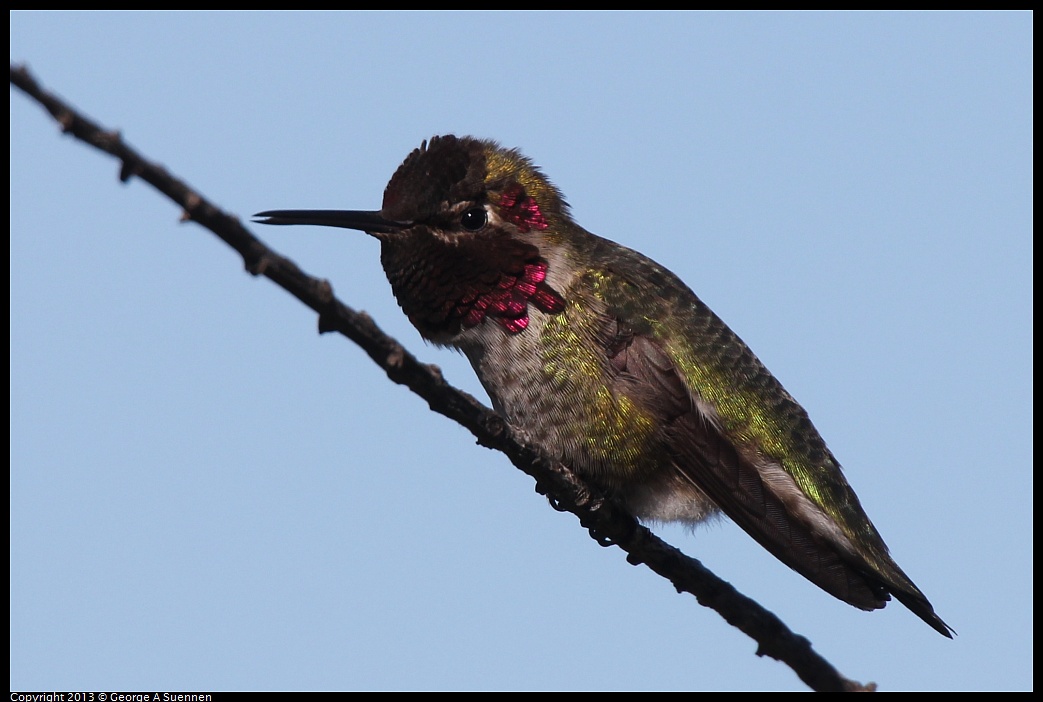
{"x":766,"y":509}
{"x":739,"y":437}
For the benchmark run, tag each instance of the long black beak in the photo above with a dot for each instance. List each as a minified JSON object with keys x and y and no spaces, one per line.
{"x":370,"y":222}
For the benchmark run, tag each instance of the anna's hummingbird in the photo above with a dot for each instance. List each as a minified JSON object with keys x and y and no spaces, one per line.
{"x":607,"y":362}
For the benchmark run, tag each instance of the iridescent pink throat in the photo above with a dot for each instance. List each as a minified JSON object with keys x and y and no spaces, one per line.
{"x":494,"y":273}
{"x":509,"y":303}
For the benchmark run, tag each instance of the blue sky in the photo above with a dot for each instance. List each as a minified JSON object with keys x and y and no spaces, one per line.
{"x":207,"y":495}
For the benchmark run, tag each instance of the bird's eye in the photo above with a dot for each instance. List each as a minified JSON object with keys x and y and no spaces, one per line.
{"x":474,"y":219}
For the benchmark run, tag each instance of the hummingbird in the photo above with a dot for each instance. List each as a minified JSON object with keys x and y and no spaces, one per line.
{"x":606,"y":361}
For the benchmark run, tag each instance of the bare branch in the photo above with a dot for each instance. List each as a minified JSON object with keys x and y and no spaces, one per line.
{"x":607,"y":523}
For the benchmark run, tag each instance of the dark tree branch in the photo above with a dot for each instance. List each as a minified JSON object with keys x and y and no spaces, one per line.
{"x":607,"y":523}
